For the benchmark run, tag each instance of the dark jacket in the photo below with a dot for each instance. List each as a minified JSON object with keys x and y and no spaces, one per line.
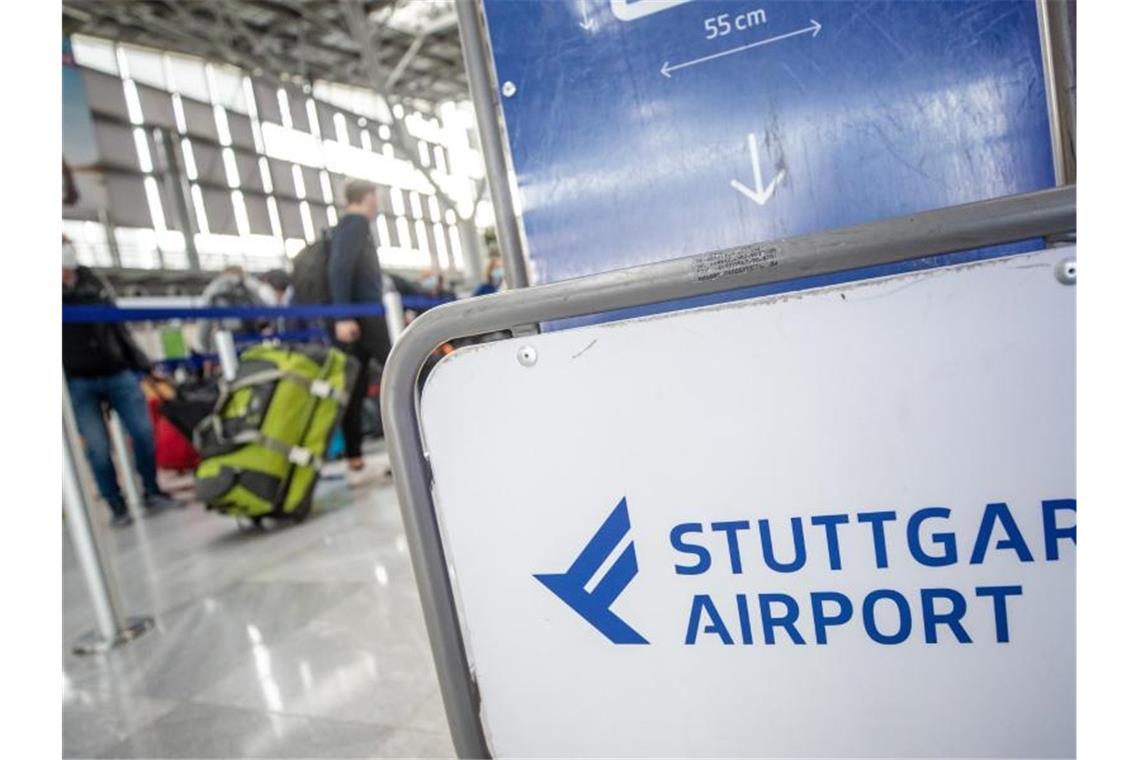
{"x":354,"y":267}
{"x":97,"y":349}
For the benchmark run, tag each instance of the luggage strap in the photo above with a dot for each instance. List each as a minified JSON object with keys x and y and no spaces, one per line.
{"x":298,"y":455}
{"x":318,"y":387}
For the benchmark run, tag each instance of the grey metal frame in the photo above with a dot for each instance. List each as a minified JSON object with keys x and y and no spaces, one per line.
{"x":1058,"y":63}
{"x":484,"y":98}
{"x":1055,"y":19}
{"x":958,"y":228}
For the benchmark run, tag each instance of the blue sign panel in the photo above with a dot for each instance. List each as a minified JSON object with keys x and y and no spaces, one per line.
{"x":643,"y":130}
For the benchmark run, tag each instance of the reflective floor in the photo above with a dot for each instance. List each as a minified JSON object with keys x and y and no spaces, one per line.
{"x":303,"y":641}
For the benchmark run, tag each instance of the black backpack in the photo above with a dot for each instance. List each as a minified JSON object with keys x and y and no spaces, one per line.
{"x":311,"y":272}
{"x":236,"y":293}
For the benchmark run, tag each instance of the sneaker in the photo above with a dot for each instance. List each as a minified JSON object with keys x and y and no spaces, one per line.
{"x":357,"y":476}
{"x":157,"y":500}
{"x":362,"y":477}
{"x":121,"y":519}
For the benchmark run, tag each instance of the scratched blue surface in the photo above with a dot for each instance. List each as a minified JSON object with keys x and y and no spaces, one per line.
{"x":891,"y":108}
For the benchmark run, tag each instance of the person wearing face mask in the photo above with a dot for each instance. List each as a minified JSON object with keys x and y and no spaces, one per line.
{"x":492,"y":276}
{"x":354,"y":276}
{"x":431,"y":284}
{"x":434,"y":285}
{"x":102,"y":364}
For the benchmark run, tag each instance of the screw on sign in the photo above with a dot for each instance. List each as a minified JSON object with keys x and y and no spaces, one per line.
{"x":1066,"y":271}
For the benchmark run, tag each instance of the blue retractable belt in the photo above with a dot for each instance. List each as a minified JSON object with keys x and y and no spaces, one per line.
{"x":76,"y":314}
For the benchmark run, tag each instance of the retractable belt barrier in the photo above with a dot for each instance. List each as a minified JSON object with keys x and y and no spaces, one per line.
{"x":113,"y":627}
{"x":91,"y":314}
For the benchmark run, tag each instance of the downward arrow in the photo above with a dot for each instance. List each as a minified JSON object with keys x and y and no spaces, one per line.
{"x":586,"y":23}
{"x":761,"y":194}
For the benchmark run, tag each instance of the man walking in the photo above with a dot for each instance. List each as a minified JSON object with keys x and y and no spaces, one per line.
{"x":100,"y":361}
{"x":355,"y":277}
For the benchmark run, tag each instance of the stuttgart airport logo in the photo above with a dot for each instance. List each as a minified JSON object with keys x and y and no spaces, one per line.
{"x":594,"y":605}
{"x":754,"y":581}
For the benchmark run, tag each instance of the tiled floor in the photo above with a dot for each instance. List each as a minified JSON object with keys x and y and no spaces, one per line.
{"x":303,"y":641}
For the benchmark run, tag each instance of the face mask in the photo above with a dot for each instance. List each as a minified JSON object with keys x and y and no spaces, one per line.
{"x":430,"y":283}
{"x":497,"y":276}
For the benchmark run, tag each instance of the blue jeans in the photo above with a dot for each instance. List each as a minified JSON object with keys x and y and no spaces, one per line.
{"x":122,"y":393}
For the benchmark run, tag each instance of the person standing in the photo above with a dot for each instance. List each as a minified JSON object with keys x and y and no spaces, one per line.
{"x":492,"y":276}
{"x":354,"y":277}
{"x":101,"y":363}
{"x":278,"y":287}
{"x":233,"y":287}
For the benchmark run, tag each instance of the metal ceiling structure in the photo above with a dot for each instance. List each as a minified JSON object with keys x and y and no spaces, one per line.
{"x":415,"y":41}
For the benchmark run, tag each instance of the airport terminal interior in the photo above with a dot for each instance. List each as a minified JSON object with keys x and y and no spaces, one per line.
{"x":288,"y":640}
{"x":414,"y":354}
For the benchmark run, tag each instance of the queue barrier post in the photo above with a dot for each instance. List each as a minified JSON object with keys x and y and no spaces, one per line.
{"x":227,"y":353}
{"x":393,"y":313}
{"x":125,"y":464}
{"x":112,"y":627}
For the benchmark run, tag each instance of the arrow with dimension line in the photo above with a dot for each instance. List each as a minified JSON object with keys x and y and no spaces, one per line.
{"x":667,"y":70}
{"x":761,"y":194}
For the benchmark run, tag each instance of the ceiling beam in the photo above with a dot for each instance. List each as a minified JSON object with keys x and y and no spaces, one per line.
{"x":282,"y":39}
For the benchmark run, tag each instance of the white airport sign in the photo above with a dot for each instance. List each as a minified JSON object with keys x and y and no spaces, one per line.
{"x":838,"y":522}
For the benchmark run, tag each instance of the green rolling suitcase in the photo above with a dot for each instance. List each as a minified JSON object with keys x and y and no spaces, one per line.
{"x":263,"y":445}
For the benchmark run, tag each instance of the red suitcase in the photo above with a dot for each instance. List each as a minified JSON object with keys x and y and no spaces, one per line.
{"x":171,"y":449}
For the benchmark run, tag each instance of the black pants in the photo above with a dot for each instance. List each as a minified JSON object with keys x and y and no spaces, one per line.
{"x":373,"y":344}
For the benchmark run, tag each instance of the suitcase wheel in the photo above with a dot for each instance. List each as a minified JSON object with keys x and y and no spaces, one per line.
{"x":303,"y":509}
